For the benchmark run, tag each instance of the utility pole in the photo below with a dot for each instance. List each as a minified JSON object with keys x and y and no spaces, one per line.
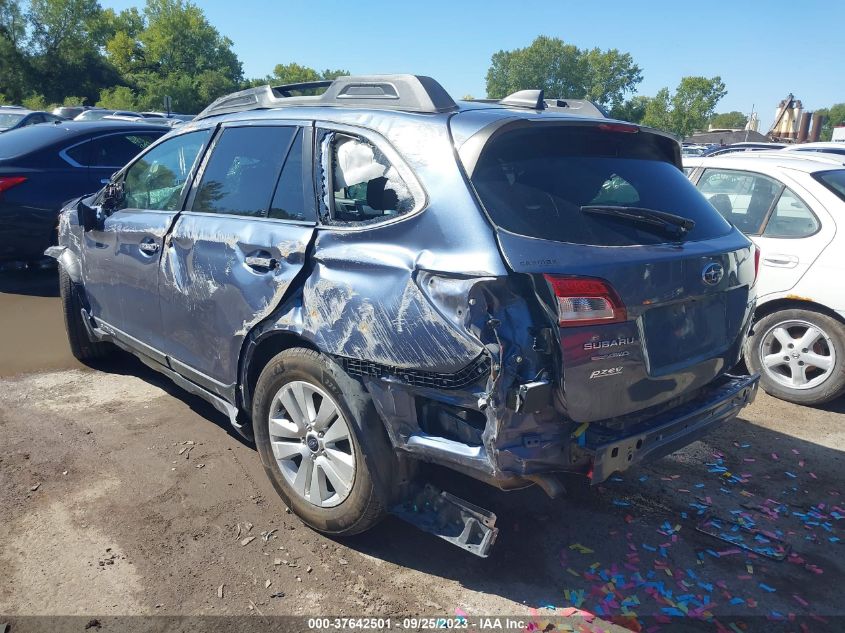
{"x":750,"y":120}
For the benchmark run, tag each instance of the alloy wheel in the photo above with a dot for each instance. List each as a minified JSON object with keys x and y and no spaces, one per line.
{"x":312,"y":443}
{"x":797,"y":354}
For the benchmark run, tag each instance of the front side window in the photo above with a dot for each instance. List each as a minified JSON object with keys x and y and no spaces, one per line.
{"x":365,"y":187}
{"x":742,"y":197}
{"x":241,"y":174}
{"x":791,"y":218}
{"x":155,"y":181}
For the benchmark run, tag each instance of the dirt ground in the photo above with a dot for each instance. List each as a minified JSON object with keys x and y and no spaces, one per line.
{"x":121,"y":494}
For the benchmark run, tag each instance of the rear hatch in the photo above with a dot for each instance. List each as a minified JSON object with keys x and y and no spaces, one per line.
{"x":650,"y":288}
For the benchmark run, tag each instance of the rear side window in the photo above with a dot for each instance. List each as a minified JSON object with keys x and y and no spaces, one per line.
{"x":537,"y":181}
{"x":293,"y":199}
{"x":742,"y":197}
{"x":10,"y":119}
{"x":833,"y":180}
{"x":791,"y":218}
{"x":366,"y":188}
{"x":241,"y":174}
{"x":112,"y":150}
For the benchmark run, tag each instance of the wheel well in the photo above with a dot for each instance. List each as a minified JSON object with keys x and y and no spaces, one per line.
{"x":787,"y":303}
{"x":265,"y":349}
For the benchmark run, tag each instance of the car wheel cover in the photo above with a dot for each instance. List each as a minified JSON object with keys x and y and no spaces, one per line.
{"x":312,"y":444}
{"x":797,"y":354}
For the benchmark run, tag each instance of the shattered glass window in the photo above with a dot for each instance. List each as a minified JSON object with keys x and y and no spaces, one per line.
{"x":156,"y":180}
{"x":365,"y":186}
{"x":241,"y":174}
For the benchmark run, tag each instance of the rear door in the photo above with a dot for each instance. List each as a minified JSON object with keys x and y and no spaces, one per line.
{"x":104,"y":154}
{"x":121,"y":261}
{"x":646,"y":312}
{"x":787,"y":223}
{"x":236,"y":248}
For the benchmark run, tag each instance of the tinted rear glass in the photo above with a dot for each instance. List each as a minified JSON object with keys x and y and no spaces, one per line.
{"x":29,"y":139}
{"x":833,"y":180}
{"x":535,"y":182}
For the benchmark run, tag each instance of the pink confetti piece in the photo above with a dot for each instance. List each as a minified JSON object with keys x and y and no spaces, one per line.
{"x":775,"y":456}
{"x":800,"y":600}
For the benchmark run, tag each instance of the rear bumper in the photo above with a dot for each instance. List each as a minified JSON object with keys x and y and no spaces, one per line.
{"x":672,"y":430}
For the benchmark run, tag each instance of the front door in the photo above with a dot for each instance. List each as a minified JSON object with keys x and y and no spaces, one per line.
{"x":121,"y":261}
{"x":236,"y":248}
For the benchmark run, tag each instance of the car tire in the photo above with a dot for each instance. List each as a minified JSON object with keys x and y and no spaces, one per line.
{"x":337,"y":504}
{"x":789,"y":372}
{"x":81,"y":345}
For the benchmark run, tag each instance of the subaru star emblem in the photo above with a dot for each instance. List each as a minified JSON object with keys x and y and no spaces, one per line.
{"x":712,"y":273}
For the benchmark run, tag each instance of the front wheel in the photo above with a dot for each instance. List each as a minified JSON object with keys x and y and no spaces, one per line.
{"x":81,"y":345}
{"x":800,"y":356}
{"x":322,"y":443}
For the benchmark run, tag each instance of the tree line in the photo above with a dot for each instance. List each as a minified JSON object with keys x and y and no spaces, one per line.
{"x":73,"y":52}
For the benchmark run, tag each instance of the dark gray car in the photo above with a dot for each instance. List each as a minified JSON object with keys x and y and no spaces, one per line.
{"x":379,"y":275}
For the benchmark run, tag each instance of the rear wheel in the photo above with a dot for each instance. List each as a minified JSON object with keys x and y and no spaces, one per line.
{"x":322,"y":443}
{"x":81,"y":345}
{"x":800,"y":356}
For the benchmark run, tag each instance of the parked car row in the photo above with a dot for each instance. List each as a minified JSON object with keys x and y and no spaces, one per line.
{"x":792,"y":205}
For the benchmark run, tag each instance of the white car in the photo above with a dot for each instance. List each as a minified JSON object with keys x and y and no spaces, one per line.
{"x":791,"y":205}
{"x":827,"y":148}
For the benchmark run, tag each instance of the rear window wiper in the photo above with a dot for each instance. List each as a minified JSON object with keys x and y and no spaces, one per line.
{"x":675,"y":224}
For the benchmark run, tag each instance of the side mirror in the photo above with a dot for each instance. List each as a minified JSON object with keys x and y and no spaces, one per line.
{"x":88,"y":216}
{"x":113,"y":196}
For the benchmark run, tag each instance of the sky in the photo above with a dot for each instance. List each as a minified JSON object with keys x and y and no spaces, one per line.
{"x":762,"y":49}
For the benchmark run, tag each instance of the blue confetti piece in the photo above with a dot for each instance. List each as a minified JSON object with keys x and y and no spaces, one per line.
{"x":789,"y":474}
{"x":737,"y":601}
{"x":649,"y":548}
{"x":766,"y":587}
{"x":644,"y":478}
{"x":620,"y":503}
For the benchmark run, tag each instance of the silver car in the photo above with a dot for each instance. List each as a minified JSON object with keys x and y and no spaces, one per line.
{"x":378,"y":275}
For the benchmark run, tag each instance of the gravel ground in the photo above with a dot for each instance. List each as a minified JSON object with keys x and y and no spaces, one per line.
{"x":121,"y":494}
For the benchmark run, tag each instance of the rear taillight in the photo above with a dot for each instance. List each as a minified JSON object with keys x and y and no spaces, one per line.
{"x":756,"y":263}
{"x":585,"y":301}
{"x":7,"y":182}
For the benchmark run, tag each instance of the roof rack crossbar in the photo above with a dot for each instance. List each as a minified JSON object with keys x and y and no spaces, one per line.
{"x":409,"y":93}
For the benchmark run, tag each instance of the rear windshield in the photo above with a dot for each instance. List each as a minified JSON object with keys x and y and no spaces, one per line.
{"x":9,"y":119}
{"x":535,"y":181}
{"x":833,"y":180}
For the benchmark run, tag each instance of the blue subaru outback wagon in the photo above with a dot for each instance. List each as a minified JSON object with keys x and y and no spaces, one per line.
{"x":377,"y":275}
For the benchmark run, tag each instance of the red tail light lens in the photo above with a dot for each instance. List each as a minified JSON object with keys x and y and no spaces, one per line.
{"x":7,"y":182}
{"x":584,"y":301}
{"x":756,"y":263}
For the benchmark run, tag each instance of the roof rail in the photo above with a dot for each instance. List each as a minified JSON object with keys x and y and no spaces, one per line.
{"x":409,"y":93}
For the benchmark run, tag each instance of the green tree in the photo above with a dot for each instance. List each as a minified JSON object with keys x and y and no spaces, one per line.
{"x":14,"y":66}
{"x":118,"y":98}
{"x":729,"y":120}
{"x":172,"y":50}
{"x":564,"y":70}
{"x":64,"y":49}
{"x":834,"y":115}
{"x":632,"y":110}
{"x":688,"y":109}
{"x":294,"y":73}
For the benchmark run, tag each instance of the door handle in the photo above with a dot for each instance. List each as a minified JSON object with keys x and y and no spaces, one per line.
{"x":261,"y":262}
{"x":148,"y":246}
{"x":781,"y":261}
